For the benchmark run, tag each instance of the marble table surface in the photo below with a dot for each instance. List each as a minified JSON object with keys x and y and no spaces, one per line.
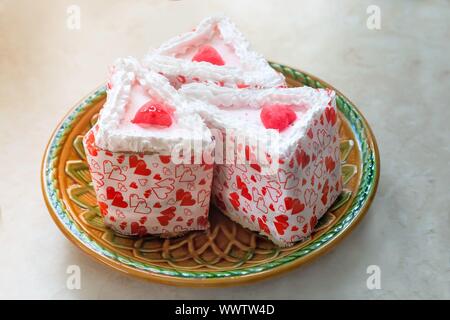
{"x":398,"y":75}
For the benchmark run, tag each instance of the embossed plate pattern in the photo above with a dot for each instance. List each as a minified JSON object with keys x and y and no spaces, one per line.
{"x":226,"y":254}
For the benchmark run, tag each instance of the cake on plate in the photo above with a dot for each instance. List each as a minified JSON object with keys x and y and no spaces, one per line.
{"x":281,"y":170}
{"x":140,"y":153}
{"x":215,"y":51}
{"x":205,"y":117}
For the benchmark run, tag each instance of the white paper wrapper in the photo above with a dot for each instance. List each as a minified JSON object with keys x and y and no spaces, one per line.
{"x":304,"y":178}
{"x":141,"y":194}
{"x":285,"y":206}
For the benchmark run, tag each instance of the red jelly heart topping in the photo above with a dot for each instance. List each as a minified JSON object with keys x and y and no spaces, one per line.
{"x":208,"y":54}
{"x":153,"y":113}
{"x":277,"y":116}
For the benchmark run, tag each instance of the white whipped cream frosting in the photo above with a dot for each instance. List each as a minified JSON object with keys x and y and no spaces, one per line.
{"x":240,"y":109}
{"x":243,"y":65}
{"x":132,"y":86}
{"x":134,"y":83}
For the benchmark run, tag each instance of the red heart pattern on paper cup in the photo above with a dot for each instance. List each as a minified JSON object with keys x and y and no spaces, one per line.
{"x":141,"y":194}
{"x":286,"y":206}
{"x":156,"y":196}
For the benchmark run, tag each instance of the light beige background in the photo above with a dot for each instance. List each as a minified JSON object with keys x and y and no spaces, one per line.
{"x":398,"y":76}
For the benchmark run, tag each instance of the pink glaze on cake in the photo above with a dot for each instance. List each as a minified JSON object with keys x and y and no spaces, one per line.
{"x":234,"y":63}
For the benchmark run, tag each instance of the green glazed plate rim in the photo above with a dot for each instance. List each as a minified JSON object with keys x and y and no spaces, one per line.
{"x":365,"y":142}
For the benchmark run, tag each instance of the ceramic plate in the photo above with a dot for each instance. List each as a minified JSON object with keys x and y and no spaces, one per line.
{"x":226,"y":254}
